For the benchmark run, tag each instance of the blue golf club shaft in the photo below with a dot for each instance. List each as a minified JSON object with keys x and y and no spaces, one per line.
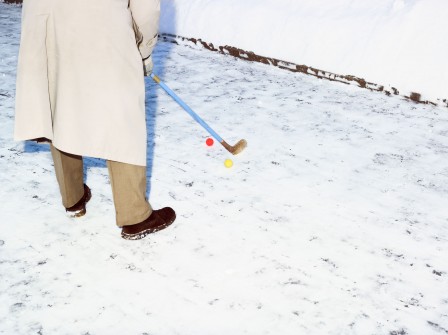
{"x":187,"y":108}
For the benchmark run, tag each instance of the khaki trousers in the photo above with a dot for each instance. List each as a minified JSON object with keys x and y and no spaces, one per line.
{"x":128,"y":186}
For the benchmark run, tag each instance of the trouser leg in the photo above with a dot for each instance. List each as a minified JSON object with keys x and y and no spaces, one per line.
{"x":129,"y":192}
{"x":69,"y":173}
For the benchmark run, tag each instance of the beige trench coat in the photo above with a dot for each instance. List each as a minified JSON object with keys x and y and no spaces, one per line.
{"x":80,"y":76}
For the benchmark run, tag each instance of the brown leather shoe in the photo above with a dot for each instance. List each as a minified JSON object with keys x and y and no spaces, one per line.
{"x":79,"y":209}
{"x":158,"y":220}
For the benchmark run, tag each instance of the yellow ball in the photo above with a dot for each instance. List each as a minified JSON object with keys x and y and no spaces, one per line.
{"x":228,"y":163}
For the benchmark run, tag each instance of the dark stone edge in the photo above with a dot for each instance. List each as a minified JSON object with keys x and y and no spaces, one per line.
{"x":345,"y":79}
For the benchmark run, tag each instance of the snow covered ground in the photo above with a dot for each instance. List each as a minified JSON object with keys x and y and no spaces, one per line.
{"x":332,"y":221}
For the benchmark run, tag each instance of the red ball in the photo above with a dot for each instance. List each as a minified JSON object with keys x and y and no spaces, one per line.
{"x":209,"y":142}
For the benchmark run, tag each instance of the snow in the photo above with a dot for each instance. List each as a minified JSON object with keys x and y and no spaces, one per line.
{"x":394,"y":43}
{"x":332,"y":221}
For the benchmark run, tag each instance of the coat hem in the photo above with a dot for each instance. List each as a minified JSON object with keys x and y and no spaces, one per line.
{"x":85,"y":153}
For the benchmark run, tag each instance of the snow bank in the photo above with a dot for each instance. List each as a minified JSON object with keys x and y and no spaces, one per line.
{"x":395,"y":43}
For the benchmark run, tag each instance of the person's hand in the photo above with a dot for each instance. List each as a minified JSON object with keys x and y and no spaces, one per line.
{"x":148,"y":65}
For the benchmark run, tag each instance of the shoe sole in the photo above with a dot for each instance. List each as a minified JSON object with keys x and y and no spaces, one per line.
{"x":83,"y":211}
{"x":146,"y":232}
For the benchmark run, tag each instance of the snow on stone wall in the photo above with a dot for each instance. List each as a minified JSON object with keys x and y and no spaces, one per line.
{"x":395,"y":43}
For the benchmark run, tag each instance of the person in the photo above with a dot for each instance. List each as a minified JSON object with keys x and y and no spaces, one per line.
{"x":80,"y":86}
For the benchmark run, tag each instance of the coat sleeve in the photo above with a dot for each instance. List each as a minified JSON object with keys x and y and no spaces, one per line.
{"x":146,"y":15}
